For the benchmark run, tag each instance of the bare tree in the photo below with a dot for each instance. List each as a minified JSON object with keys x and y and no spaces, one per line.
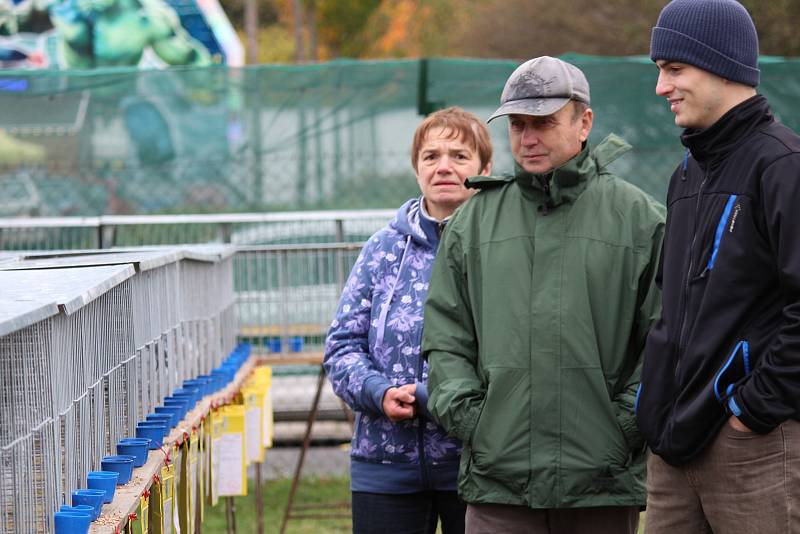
{"x":528,"y":28}
{"x":299,"y":38}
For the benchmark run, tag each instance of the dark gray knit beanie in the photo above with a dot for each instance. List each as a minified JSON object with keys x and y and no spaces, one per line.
{"x":715,"y":35}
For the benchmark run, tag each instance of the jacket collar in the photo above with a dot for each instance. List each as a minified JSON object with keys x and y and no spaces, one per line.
{"x":721,"y":138}
{"x":567,"y":182}
{"x":431,"y":226}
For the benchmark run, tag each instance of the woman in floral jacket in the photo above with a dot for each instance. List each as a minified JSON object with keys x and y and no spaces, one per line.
{"x":404,"y":467}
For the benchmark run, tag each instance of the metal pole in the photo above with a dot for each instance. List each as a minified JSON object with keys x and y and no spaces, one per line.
{"x":302,"y":167}
{"x":230,"y":513}
{"x":340,"y":256}
{"x":259,"y":502}
{"x":306,"y":442}
{"x":258,"y":152}
{"x":227,"y":519}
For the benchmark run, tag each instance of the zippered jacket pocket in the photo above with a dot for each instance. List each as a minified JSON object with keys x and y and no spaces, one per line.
{"x":736,"y":367}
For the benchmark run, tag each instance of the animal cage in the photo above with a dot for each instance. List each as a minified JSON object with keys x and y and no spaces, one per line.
{"x":90,"y":342}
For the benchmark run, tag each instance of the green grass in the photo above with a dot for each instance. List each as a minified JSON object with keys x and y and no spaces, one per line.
{"x":276,"y":492}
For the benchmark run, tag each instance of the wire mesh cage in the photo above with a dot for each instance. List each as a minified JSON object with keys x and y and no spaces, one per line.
{"x":16,"y":492}
{"x":25,"y":368}
{"x":89,"y":344}
{"x":44,"y":464}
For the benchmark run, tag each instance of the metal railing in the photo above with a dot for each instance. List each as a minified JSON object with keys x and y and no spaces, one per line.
{"x":288,"y":269}
{"x":64,"y":233}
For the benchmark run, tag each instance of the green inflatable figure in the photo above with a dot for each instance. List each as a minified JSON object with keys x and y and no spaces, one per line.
{"x":108,"y":33}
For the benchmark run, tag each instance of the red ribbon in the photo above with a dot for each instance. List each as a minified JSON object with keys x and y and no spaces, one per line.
{"x":166,"y":455}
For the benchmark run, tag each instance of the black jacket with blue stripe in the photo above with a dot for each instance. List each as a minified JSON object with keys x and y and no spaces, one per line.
{"x":728,"y":341}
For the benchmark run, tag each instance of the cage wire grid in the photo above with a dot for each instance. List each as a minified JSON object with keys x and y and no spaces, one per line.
{"x":80,"y":381}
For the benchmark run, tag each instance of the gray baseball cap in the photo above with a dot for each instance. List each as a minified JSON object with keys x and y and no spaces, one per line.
{"x":541,"y":86}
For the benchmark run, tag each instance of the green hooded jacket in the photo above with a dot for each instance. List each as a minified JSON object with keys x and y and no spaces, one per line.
{"x":539,"y":305}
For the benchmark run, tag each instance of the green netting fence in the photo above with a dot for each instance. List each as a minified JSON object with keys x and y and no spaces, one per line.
{"x":272,"y":138}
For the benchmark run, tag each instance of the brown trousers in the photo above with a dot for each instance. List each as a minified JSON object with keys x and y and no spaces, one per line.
{"x":508,"y":519}
{"x":743,"y":483}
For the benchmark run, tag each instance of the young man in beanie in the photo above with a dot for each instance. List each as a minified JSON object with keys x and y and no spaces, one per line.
{"x":720,"y":394}
{"x":539,"y":304}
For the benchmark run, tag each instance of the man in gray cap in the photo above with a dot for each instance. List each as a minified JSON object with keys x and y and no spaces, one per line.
{"x":720,"y":396}
{"x":540,"y":301}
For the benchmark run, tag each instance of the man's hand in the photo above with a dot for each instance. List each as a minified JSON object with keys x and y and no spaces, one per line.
{"x":398,"y":402}
{"x":738,"y":425}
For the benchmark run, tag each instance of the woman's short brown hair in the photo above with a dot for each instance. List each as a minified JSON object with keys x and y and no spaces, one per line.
{"x":462,"y":125}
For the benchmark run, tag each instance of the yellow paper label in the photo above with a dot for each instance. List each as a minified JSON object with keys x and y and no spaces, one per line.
{"x":167,"y":497}
{"x":142,"y":524}
{"x":183,"y":488}
{"x":253,"y":423}
{"x":191,"y":480}
{"x":230,"y":453}
{"x":217,"y":431}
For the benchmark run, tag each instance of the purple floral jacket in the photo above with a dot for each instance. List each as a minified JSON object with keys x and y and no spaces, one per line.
{"x":374,"y":343}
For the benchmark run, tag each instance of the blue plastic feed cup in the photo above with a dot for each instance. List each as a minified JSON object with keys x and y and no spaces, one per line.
{"x":72,"y":522}
{"x":193,"y":390}
{"x":198,"y":383}
{"x":81,"y":509}
{"x":153,"y":430}
{"x":210,"y":383}
{"x":165,"y":418}
{"x":221,"y":376}
{"x":137,"y":449}
{"x":190,"y":396}
{"x":174,"y":411}
{"x":296,"y":344}
{"x":180,"y":402}
{"x":135,"y":440}
{"x":140,"y":441}
{"x":275,"y":344}
{"x":103,"y":480}
{"x":90,"y":497}
{"x":122,"y":464}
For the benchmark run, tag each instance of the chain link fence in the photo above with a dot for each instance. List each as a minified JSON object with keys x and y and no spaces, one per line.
{"x":276,"y":138}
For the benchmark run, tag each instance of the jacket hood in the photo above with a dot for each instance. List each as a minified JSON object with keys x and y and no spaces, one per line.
{"x":410,"y":221}
{"x":565,"y":183}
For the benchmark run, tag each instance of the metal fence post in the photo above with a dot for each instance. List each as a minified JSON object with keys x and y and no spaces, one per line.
{"x":225,"y":232}
{"x":340,"y":266}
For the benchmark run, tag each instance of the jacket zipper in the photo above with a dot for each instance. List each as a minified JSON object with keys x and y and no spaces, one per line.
{"x":421,"y":436}
{"x":545,"y":208}
{"x":689,"y":275}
